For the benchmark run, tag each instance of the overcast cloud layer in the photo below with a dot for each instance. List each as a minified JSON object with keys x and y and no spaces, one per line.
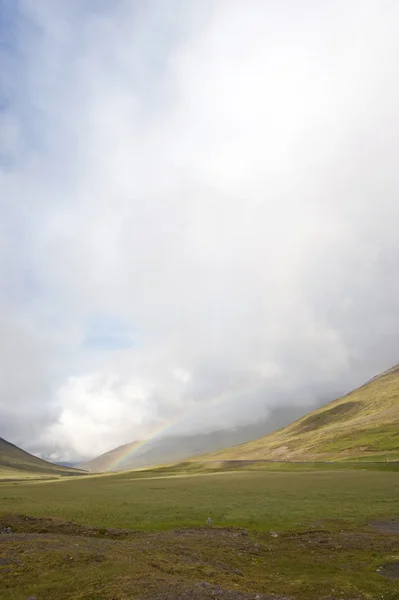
{"x":199,"y":210}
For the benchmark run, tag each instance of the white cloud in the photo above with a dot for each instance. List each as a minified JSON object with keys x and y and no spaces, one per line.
{"x":97,"y":410}
{"x":219,"y":177}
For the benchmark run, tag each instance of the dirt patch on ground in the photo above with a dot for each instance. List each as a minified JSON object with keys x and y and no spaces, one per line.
{"x":211,"y":531}
{"x":205,"y":591}
{"x":23,"y":524}
{"x":387,"y":526}
{"x":391,"y":571}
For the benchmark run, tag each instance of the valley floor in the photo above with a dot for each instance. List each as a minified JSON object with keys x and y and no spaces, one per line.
{"x":143,"y":536}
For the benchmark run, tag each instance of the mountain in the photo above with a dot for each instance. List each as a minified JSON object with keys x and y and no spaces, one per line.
{"x":169,"y":449}
{"x":364,"y":424}
{"x":15,"y":461}
{"x":107,"y":461}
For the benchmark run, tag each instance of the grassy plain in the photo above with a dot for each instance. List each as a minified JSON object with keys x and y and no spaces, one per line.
{"x":139,"y":535}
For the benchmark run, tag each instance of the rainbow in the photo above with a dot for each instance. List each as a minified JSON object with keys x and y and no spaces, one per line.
{"x":131,"y":451}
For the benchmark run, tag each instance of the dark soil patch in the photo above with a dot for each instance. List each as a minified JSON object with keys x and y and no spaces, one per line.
{"x":205,"y":591}
{"x":208,"y":531}
{"x":388,"y":526}
{"x":23,"y":524}
{"x":391,"y":571}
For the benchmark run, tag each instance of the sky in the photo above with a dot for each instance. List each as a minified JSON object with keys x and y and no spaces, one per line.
{"x":198,"y":213}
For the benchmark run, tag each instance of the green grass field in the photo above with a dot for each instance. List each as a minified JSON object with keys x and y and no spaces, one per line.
{"x":143,"y":535}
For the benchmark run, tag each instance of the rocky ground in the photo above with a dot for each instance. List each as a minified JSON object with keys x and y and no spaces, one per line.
{"x":51,"y":559}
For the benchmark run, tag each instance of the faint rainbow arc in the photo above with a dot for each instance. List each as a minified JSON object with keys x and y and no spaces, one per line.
{"x":131,"y":451}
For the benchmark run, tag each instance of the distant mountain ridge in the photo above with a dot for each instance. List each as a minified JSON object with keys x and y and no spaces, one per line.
{"x":14,"y":460}
{"x":363,"y":424}
{"x":108,"y":461}
{"x":181,"y":447}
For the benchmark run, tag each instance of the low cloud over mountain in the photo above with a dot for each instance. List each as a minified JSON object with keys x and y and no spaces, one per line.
{"x":199,"y":209}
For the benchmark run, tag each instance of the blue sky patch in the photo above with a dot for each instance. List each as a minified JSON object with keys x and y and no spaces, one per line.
{"x":108,"y":333}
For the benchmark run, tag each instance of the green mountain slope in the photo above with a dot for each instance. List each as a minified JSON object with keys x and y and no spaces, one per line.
{"x":15,"y":461}
{"x":364,"y":424}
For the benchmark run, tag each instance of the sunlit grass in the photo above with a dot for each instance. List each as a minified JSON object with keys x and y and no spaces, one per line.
{"x":259,"y":499}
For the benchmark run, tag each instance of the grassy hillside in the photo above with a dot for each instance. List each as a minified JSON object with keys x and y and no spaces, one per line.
{"x":362,"y":425}
{"x":16,"y":463}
